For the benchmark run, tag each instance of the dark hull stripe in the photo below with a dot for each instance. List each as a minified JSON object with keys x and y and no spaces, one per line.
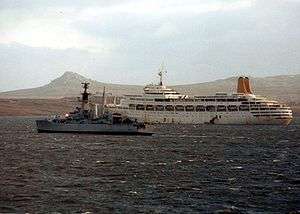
{"x":98,"y":132}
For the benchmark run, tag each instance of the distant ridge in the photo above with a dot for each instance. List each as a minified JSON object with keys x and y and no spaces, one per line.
{"x":283,"y":87}
{"x":69,"y":85}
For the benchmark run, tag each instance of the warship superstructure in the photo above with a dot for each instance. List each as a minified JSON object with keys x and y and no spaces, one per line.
{"x":160,"y":104}
{"x":88,"y":119}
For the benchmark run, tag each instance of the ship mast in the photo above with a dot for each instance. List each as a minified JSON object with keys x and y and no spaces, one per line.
{"x":103,"y":101}
{"x":161,"y":70}
{"x":85,"y":96}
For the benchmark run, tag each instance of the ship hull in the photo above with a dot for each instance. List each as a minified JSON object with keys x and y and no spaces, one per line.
{"x":159,"y":104}
{"x":47,"y":126}
{"x":230,"y":118}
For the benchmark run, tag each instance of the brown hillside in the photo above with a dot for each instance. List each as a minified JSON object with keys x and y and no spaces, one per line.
{"x":285,"y":88}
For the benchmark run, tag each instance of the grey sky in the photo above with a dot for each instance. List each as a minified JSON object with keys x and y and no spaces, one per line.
{"x":126,"y":41}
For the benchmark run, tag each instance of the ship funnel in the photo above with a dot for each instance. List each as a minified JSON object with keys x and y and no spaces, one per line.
{"x":247,"y":85}
{"x":243,"y":86}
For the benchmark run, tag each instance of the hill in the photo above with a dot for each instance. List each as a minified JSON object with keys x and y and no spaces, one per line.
{"x":284,"y":88}
{"x":69,"y":85}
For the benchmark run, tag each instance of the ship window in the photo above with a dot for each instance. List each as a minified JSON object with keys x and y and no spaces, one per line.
{"x":244,"y":108}
{"x":242,"y":99}
{"x":232,"y":108}
{"x":210,"y":108}
{"x":262,"y":108}
{"x":158,"y":100}
{"x":169,"y":108}
{"x":210,"y":100}
{"x":179,"y":108}
{"x":221,"y":108}
{"x":188,"y":100}
{"x":159,"y":108}
{"x":221,"y":100}
{"x":231,"y":100}
{"x":140,"y":107}
{"x":200,"y":108}
{"x":132,"y":106}
{"x":189,"y":108}
{"x":149,"y":107}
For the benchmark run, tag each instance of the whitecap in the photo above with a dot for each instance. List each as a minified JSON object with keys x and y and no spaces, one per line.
{"x":237,"y":167}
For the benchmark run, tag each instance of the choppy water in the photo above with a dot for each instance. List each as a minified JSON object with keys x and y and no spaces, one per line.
{"x":181,"y":169}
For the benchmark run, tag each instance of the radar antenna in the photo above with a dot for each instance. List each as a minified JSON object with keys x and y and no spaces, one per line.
{"x":161,"y":70}
{"x":85,"y":85}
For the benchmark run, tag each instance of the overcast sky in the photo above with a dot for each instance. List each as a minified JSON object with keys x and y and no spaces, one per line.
{"x":125,"y":41}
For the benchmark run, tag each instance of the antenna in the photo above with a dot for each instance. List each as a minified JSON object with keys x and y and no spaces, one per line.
{"x":161,"y":70}
{"x":103,"y":101}
{"x":85,"y":86}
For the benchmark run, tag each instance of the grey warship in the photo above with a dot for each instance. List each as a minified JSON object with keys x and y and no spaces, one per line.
{"x":85,"y":119}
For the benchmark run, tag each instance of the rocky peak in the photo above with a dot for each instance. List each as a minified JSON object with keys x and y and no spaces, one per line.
{"x":69,"y":79}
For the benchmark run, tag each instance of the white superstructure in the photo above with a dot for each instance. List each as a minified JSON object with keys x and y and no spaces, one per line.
{"x":160,"y":104}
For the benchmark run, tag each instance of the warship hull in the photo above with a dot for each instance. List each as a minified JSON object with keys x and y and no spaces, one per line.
{"x":89,"y":128}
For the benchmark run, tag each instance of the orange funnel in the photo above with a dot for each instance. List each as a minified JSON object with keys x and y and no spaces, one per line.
{"x":244,"y":86}
{"x":247,"y":85}
{"x":241,"y":88}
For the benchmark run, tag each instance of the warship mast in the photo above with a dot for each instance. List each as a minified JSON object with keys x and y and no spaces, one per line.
{"x":85,"y":96}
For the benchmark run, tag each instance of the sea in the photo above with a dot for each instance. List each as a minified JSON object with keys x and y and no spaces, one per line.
{"x":180,"y":169}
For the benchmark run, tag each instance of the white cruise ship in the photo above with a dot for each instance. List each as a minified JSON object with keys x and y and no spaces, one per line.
{"x":160,"y":104}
